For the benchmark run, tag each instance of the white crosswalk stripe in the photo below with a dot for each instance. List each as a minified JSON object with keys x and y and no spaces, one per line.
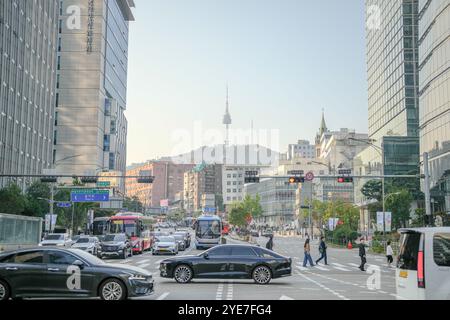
{"x":143,"y":261}
{"x":302,"y":268}
{"x":321,"y":268}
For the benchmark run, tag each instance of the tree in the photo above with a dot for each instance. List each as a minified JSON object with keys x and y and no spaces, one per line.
{"x":248,"y":208}
{"x":12,"y":200}
{"x":133,"y":204}
{"x":38,"y":195}
{"x":373,"y":190}
{"x":399,"y":204}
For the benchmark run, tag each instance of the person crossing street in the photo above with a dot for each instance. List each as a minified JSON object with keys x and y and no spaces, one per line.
{"x":323,"y":251}
{"x":362,"y":254}
{"x":307,"y":249}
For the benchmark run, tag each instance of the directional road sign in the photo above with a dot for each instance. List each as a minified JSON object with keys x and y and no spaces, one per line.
{"x":89,"y":195}
{"x":63,"y":204}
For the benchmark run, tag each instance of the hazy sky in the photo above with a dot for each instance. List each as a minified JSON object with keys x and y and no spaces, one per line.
{"x":284,"y":61}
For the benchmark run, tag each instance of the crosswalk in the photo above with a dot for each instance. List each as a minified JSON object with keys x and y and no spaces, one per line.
{"x":348,"y":267}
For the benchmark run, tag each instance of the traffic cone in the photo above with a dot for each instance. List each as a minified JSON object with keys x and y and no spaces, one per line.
{"x":350,"y":246}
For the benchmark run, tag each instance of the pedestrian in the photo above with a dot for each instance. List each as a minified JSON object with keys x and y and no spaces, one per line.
{"x":323,"y":251}
{"x":362,"y":254}
{"x":389,"y":254}
{"x":269,"y":244}
{"x":307,"y":258}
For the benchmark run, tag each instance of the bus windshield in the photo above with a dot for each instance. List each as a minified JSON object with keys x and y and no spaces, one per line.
{"x":208,"y":229}
{"x":100,"y":228}
{"x":129,"y":227}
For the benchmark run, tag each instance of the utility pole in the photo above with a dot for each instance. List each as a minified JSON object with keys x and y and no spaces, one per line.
{"x":426,"y":167}
{"x":52,"y":200}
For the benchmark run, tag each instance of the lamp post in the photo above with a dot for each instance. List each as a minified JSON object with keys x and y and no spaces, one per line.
{"x":380,"y":151}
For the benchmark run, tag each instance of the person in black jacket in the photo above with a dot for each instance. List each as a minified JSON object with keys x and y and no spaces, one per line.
{"x":269,"y":244}
{"x":362,"y":254}
{"x":323,"y":251}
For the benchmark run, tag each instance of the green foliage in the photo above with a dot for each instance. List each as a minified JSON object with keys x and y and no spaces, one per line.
{"x":399,"y":204}
{"x":12,"y":200}
{"x":133,"y":205}
{"x":37,"y":200}
{"x":240,"y":211}
{"x":345,"y":232}
{"x":373,"y":190}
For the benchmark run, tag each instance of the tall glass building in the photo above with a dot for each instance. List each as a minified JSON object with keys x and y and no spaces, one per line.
{"x":91,"y":128}
{"x":434,"y":66}
{"x":393,"y":78}
{"x":28,"y":41}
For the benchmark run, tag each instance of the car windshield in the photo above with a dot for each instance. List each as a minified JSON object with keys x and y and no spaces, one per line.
{"x":55,"y":237}
{"x":114,"y":237}
{"x":166,"y":239}
{"x":84,"y":240}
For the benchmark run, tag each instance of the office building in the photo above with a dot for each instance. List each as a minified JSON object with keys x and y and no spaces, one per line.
{"x":302,"y":149}
{"x":434,"y":89}
{"x":168,"y":183}
{"x":91,"y":127}
{"x":28,"y":44}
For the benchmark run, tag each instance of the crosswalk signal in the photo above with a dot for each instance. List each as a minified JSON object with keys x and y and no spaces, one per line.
{"x":49,"y":179}
{"x":86,"y":180}
{"x":345,"y":180}
{"x":251,"y":180}
{"x":293,"y":180}
{"x":144,"y":180}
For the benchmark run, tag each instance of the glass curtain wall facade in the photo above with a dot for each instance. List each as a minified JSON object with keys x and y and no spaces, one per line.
{"x":434,"y":60}
{"x":278,"y":200}
{"x":92,"y":86}
{"x":28,"y":41}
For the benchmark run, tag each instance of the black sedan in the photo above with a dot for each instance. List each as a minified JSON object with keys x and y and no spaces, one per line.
{"x":61,"y":273}
{"x":228,"y":262}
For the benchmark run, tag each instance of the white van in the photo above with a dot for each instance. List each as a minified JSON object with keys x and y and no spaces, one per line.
{"x":423,"y":267}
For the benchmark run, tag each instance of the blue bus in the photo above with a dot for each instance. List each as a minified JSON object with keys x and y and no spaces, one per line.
{"x":208,"y":231}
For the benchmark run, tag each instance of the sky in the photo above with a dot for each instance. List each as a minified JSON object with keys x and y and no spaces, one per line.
{"x":283,"y":60}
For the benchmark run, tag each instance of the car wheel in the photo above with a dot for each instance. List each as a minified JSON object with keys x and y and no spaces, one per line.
{"x":262,"y":275}
{"x":4,"y":291}
{"x":183,"y":274}
{"x":112,"y":289}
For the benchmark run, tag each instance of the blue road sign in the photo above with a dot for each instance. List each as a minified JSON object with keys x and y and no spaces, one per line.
{"x":92,"y":196}
{"x":209,"y":210}
{"x":63,"y":204}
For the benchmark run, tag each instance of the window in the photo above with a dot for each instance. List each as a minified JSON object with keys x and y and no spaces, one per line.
{"x":220,"y":251}
{"x":266,"y":253}
{"x":242,"y":251}
{"x":409,"y":251}
{"x":61,"y":258}
{"x":441,"y":249}
{"x":33,"y":257}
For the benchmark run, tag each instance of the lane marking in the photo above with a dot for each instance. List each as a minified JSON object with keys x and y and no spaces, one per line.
{"x":286,"y":298}
{"x":145,"y":265}
{"x":219,"y":292}
{"x":230,"y":290}
{"x":340,"y":296}
{"x":143,"y":261}
{"x":163,"y":296}
{"x":321,"y":268}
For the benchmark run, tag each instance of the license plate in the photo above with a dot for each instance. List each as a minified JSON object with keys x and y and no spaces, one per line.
{"x":403,"y":274}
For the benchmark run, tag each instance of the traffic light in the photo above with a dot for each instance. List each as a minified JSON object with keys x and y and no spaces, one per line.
{"x":49,"y":179}
{"x":293,"y":180}
{"x":345,"y":180}
{"x":89,"y":180}
{"x":251,"y":180}
{"x":148,"y":180}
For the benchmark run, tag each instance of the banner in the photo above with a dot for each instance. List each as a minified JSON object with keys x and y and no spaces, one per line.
{"x":333,"y":223}
{"x":47,"y":222}
{"x":384,"y":221}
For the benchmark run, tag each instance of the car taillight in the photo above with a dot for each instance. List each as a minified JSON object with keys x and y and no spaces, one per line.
{"x":420,"y":270}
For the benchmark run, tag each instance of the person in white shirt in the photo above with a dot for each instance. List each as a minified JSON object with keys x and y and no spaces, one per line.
{"x":389,"y":254}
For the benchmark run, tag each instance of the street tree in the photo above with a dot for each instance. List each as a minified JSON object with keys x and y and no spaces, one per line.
{"x":399,"y":204}
{"x":242,"y":211}
{"x":12,"y":200}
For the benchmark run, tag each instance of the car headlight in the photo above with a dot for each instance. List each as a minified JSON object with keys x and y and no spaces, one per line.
{"x":139,"y":277}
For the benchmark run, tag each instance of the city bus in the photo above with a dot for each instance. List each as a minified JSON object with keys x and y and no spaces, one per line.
{"x":208,"y":231}
{"x":100,"y":227}
{"x":136,"y":226}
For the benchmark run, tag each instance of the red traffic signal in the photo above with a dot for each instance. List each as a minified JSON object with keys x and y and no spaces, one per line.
{"x":345,"y":180}
{"x":293,"y":180}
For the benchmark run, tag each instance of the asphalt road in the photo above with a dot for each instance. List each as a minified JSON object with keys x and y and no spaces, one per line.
{"x":340,"y":280}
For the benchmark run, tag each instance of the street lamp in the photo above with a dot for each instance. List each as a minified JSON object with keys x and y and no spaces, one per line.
{"x":380,"y":150}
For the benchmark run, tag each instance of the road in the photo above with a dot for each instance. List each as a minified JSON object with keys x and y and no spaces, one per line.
{"x":340,"y":280}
